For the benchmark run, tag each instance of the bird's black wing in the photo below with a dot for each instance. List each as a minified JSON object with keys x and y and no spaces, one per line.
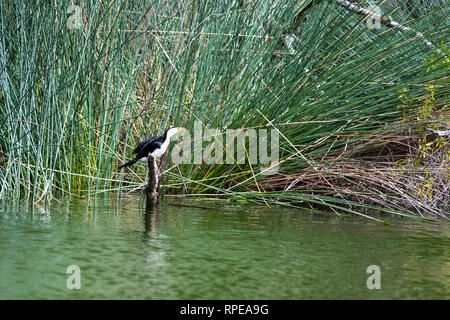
{"x":148,"y":148}
{"x":143,"y":143}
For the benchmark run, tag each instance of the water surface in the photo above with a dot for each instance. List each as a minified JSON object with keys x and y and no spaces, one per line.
{"x":245,"y":252}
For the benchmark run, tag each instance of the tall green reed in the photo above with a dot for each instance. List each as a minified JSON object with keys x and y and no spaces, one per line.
{"x":74,"y":102}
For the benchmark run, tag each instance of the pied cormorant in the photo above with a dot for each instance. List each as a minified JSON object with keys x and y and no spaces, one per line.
{"x":155,"y":146}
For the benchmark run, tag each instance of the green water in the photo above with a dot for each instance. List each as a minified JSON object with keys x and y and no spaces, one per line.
{"x":193,"y":253}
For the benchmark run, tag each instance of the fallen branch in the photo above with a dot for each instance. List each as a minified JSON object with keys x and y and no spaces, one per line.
{"x":387,"y":21}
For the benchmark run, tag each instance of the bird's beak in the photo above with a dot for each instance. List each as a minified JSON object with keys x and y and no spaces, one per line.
{"x":181,"y":129}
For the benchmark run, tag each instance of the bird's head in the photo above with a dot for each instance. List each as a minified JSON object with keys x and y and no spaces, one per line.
{"x":172,"y":131}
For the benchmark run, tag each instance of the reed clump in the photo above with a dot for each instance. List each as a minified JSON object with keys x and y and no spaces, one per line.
{"x":80,"y":85}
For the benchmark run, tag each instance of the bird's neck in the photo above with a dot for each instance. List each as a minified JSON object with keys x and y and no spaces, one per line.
{"x":164,"y":137}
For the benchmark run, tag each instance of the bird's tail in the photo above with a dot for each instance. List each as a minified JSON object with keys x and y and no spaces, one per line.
{"x":130,"y":163}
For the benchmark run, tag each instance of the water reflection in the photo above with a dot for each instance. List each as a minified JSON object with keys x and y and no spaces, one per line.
{"x":152,"y":217}
{"x":155,"y":244}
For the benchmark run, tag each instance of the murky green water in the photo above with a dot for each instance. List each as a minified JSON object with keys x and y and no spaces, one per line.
{"x":193,"y":253}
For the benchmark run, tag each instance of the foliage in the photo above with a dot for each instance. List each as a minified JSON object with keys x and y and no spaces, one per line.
{"x":432,"y":131}
{"x":74,"y":102}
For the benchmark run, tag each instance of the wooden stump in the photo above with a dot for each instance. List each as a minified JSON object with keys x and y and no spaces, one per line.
{"x":154,"y":180}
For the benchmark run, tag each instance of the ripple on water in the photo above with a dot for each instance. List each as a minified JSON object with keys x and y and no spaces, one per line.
{"x":191,"y":253}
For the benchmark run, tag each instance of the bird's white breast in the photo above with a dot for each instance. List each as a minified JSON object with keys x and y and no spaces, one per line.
{"x":160,"y":151}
